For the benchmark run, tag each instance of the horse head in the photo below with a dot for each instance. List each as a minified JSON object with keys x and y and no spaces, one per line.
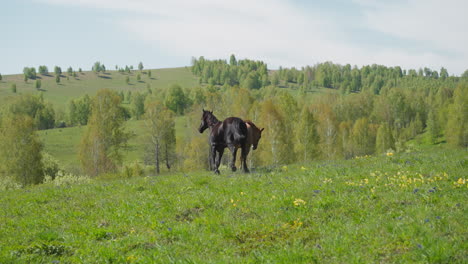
{"x":257,"y":135}
{"x":207,"y":120}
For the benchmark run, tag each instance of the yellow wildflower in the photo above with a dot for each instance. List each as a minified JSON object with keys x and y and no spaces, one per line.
{"x":389,"y":154}
{"x":299,"y":202}
{"x":327,"y":180}
{"x":131,"y":258}
{"x":303,"y":168}
{"x":460,"y":182}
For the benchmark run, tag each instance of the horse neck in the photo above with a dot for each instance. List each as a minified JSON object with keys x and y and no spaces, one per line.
{"x":249,"y":134}
{"x":212,"y":121}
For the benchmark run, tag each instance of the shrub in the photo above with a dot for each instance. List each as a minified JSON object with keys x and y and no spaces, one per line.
{"x":51,"y":166}
{"x":67,"y":179}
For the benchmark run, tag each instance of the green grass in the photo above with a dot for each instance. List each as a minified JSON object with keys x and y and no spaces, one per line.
{"x":63,"y":143}
{"x":89,"y":83}
{"x":356,"y":211}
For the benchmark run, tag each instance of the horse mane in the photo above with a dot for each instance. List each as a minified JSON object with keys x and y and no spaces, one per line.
{"x":250,"y":123}
{"x":211,"y":119}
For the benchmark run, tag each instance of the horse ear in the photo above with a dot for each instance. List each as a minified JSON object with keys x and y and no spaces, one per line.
{"x":262,"y":129}
{"x":203,"y":109}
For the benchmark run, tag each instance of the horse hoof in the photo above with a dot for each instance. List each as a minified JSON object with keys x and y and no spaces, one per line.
{"x":216,"y":171}
{"x":246,"y":171}
{"x":233,"y":168}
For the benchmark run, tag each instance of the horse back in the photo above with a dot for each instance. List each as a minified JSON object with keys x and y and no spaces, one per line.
{"x":235,"y":131}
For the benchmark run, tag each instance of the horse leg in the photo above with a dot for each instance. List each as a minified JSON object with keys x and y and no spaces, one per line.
{"x":233,"y":161}
{"x":244,"y":153}
{"x":218,"y":160}
{"x":213,"y":158}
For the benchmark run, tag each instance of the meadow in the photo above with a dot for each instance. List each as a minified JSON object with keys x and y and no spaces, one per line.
{"x":394,"y":208}
{"x":89,"y":83}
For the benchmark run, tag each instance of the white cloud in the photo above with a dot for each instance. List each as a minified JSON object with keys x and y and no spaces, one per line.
{"x":440,"y":25}
{"x":281,"y":33}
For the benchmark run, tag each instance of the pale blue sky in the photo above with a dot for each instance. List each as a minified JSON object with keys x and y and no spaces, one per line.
{"x":408,"y":33}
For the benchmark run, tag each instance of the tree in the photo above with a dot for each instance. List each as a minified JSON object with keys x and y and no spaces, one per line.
{"x":307,"y":138}
{"x":43,"y":70}
{"x":138,"y":77}
{"x":433,"y":126}
{"x":82,"y":110}
{"x":38,"y":84}
{"x":149,"y":74}
{"x":138,"y":105}
{"x":140,"y":66}
{"x":328,"y":131}
{"x":457,"y":125}
{"x":13,"y":87}
{"x":160,"y":132}
{"x":70,"y":71}
{"x":176,"y":99}
{"x":276,"y":147}
{"x":1,"y":77}
{"x":57,"y":79}
{"x":252,"y":81}
{"x":362,"y":137}
{"x":72,"y":113}
{"x":443,"y":73}
{"x":20,"y":150}
{"x":30,"y":73}
{"x":232,"y":60}
{"x":34,"y":107}
{"x":57,"y":70}
{"x":97,"y":67}
{"x":275,"y":79}
{"x":127,"y":80}
{"x":384,"y":140}
{"x":101,"y":144}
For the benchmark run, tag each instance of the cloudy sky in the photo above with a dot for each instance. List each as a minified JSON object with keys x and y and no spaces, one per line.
{"x":408,"y":33}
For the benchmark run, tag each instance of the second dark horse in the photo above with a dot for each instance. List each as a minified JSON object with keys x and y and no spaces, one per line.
{"x":231,"y":133}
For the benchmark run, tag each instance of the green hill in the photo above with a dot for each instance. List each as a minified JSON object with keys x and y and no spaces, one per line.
{"x":90,"y":82}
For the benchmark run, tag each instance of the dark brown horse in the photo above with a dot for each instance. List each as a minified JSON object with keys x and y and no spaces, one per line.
{"x":254,"y":134}
{"x":231,"y":133}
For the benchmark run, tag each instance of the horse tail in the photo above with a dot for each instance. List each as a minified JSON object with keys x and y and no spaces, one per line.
{"x":240,"y":133}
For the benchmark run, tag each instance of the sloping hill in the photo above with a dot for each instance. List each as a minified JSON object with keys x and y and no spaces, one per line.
{"x":89,"y":83}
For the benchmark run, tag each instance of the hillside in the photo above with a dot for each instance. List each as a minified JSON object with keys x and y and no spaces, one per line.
{"x":89,"y":83}
{"x":407,"y":207}
{"x":62,"y":143}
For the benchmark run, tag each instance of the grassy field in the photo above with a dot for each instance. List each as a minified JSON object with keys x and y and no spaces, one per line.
{"x":89,"y":83}
{"x":408,"y":207}
{"x":63,"y":143}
